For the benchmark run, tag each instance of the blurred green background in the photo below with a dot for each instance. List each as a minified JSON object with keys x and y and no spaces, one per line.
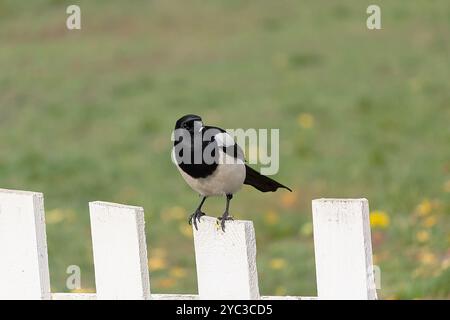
{"x":87,"y":115}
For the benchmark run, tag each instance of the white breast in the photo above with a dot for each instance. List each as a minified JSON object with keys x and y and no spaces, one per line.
{"x":228,"y":178}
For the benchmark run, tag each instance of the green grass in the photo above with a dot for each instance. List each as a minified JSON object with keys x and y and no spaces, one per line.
{"x":87,"y":115}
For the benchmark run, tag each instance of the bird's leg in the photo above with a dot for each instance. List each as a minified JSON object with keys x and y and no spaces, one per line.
{"x":226,"y":215}
{"x":197,"y":214}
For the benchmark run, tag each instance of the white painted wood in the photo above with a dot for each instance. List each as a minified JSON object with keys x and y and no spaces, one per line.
{"x":93,"y":296}
{"x":23,"y":246}
{"x":74,"y":296}
{"x":343,"y":249}
{"x":226,"y":261}
{"x":287,"y":298}
{"x":120,"y":251}
{"x":174,"y":297}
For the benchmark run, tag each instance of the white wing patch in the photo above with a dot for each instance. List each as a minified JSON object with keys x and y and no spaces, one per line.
{"x":223,"y":139}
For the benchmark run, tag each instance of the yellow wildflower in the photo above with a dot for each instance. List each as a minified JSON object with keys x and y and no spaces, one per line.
{"x":306,"y":120}
{"x":178,"y":272}
{"x":422,"y":236}
{"x":156,"y":263}
{"x":271,"y":218}
{"x":288,"y":199}
{"x":430,"y":221}
{"x":427,"y":258}
{"x":424,"y":208}
{"x":379,"y":219}
{"x":278,"y":263}
{"x":165,"y":282}
{"x":54,"y":216}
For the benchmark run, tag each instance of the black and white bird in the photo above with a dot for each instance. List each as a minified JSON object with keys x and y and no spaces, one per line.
{"x":224,"y":175}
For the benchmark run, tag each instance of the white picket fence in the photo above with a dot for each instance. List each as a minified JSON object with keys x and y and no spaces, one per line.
{"x":226,"y":262}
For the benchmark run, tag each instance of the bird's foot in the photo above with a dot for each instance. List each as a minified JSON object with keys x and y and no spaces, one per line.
{"x":222,"y":219}
{"x":196,"y":217}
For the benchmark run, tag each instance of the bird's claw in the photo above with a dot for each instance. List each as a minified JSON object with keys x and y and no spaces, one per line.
{"x":195,"y":217}
{"x":222,"y":220}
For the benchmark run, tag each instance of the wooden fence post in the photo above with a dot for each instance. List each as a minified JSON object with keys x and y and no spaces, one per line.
{"x":226,"y":261}
{"x":120,"y":251}
{"x":343,"y":249}
{"x":23,"y":246}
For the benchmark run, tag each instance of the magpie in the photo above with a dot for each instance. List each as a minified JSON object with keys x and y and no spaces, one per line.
{"x":212,"y":164}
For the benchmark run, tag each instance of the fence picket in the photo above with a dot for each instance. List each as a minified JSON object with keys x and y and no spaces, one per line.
{"x":343,"y":249}
{"x":23,"y":246}
{"x":226,"y":261}
{"x":120,"y":251}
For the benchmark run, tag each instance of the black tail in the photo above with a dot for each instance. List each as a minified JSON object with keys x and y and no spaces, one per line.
{"x":260,"y":182}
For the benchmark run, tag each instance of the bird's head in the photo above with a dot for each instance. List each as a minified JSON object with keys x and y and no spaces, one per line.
{"x":188,"y":122}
